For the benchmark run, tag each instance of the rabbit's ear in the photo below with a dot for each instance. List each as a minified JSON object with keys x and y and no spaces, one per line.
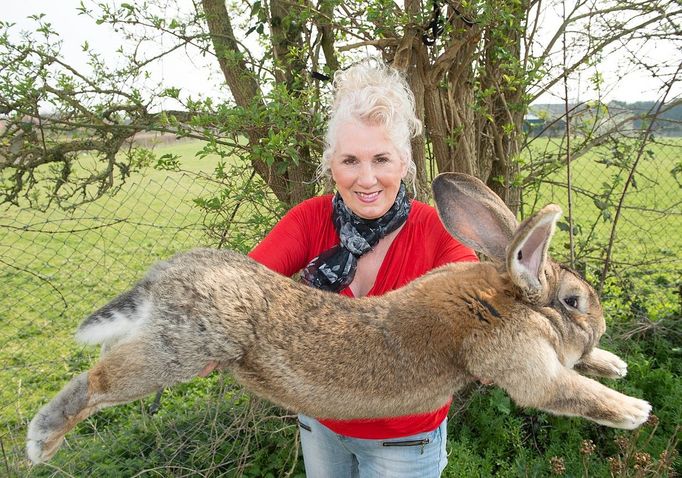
{"x":473,"y":214}
{"x":527,"y":252}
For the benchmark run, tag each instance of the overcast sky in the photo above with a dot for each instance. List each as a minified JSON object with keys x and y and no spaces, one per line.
{"x":197,"y":75}
{"x":201,"y":76}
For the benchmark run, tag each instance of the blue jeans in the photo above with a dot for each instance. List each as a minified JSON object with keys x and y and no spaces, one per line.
{"x":329,"y":455}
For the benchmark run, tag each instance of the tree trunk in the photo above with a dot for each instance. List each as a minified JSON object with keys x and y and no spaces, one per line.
{"x":449,"y":102}
{"x":501,"y":59}
{"x":471,"y":117}
{"x":408,"y":58}
{"x":295,"y":184}
{"x":290,"y":69}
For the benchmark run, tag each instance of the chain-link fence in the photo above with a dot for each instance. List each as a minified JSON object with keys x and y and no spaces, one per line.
{"x":57,"y":266}
{"x":622,"y":201}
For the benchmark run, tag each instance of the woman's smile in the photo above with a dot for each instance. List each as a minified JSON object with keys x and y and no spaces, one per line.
{"x":368,"y":197}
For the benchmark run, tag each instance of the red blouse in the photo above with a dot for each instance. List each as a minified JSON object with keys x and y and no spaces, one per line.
{"x":421,"y":245}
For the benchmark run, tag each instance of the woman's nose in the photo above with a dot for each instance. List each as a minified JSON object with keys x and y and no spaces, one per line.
{"x":366,"y":176}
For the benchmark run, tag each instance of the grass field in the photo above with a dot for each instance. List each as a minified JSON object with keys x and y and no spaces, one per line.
{"x":57,"y":267}
{"x":651,"y":219}
{"x":647,"y":244}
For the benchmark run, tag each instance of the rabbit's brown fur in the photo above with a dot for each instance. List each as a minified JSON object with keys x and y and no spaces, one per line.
{"x":330,"y":356}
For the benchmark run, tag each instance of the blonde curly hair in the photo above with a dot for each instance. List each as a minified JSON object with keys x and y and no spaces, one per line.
{"x":374,"y":93}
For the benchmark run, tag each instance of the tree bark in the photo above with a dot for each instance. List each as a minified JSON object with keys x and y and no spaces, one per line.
{"x":290,"y":69}
{"x":294,"y":185}
{"x":409,"y":58}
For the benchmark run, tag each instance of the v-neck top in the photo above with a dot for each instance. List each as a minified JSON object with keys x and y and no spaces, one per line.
{"x":421,"y":245}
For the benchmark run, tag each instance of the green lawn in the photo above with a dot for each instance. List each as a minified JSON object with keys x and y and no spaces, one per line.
{"x":59,"y":266}
{"x":651,"y":221}
{"x":647,"y":244}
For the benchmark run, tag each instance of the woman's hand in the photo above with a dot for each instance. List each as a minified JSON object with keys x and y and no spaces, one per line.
{"x":208,"y":368}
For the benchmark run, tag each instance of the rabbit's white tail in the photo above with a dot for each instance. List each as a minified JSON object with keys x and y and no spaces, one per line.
{"x":119,"y":318}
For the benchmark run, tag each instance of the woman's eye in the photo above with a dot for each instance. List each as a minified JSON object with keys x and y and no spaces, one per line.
{"x":383,"y":159}
{"x":571,"y":301}
{"x":349,"y":161}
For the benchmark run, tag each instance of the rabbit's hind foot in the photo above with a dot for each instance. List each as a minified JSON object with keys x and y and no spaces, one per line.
{"x":47,"y":429}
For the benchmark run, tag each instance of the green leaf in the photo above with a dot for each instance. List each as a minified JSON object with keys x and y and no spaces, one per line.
{"x":168,"y":162}
{"x":600,"y":204}
{"x":500,"y":401}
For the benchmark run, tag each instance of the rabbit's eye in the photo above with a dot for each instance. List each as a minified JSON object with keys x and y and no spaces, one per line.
{"x":571,"y":301}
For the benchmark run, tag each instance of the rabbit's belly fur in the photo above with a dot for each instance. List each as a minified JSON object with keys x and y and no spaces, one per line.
{"x":405,"y":352}
{"x":288,"y":343}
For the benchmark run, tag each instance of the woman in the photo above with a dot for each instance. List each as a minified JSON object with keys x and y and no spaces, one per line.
{"x":367,"y":239}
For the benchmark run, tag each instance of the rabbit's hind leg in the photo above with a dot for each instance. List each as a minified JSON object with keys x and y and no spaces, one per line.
{"x":127,"y":372}
{"x":47,"y":429}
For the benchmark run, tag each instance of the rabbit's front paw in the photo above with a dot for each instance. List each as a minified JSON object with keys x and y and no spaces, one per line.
{"x":603,"y":364}
{"x":633,"y":413}
{"x":618,"y":367}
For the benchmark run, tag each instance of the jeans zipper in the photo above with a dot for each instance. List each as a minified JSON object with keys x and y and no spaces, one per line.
{"x":304,"y":426}
{"x":421,"y":443}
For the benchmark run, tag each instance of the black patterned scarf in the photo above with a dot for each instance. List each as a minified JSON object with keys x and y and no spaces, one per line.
{"x":334,"y":268}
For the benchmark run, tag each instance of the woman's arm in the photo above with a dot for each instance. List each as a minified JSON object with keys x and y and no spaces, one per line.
{"x":283,"y":250}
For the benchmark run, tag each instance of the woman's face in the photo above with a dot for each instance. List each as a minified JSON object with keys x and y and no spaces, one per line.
{"x":366,"y":168}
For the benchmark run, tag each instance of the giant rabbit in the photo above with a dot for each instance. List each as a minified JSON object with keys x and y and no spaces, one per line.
{"x":523,"y":321}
